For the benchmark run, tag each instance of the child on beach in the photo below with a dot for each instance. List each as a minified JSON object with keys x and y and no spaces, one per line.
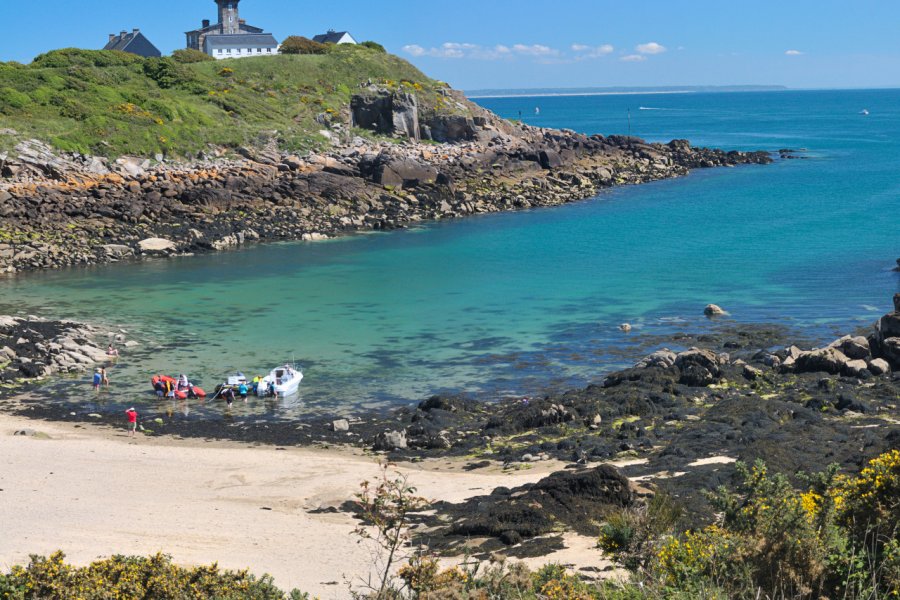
{"x":98,"y":379}
{"x":132,"y":421}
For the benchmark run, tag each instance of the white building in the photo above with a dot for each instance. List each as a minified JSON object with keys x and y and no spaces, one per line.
{"x":240,"y":45}
{"x":231,"y":37}
{"x":335,"y":37}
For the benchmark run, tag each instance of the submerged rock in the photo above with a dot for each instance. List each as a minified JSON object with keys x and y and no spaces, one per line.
{"x":714,"y":310}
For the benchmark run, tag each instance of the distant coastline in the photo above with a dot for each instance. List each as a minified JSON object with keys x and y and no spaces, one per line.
{"x":619,"y":91}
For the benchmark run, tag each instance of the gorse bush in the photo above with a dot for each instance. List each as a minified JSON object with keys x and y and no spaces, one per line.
{"x":837,"y":537}
{"x":135,"y":578}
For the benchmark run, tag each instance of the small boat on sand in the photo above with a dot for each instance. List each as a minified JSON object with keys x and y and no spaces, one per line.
{"x":283,"y":381}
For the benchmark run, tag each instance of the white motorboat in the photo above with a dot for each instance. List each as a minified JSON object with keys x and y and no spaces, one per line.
{"x":284,"y":381}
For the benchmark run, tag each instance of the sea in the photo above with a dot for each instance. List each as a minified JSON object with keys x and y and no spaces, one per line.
{"x":523,"y":303}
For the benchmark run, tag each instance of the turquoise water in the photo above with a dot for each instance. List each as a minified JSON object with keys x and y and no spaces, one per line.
{"x":521,"y":302}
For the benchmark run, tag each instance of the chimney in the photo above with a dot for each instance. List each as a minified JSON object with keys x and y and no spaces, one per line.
{"x":205,"y":23}
{"x":112,"y":36}
{"x":123,"y":34}
{"x":135,"y":31}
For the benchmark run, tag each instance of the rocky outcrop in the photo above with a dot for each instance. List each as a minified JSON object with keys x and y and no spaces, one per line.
{"x":386,"y":112}
{"x":62,"y":210}
{"x":33,"y":348}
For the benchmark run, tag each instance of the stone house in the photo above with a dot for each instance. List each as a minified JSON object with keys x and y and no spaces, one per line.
{"x":231,"y":36}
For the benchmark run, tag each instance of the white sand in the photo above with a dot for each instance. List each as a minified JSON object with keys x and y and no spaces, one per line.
{"x":93,"y":492}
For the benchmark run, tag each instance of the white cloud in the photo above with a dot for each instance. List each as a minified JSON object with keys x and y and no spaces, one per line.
{"x":634,"y":58}
{"x":794,"y":53}
{"x":583,"y":51}
{"x":650,"y":48}
{"x":414,"y":50}
{"x":457,"y":50}
{"x":535,"y":50}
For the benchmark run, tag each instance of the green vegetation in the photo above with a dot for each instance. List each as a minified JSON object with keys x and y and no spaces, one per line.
{"x":113,"y":103}
{"x":134,"y":577}
{"x":189,"y":55}
{"x":374,"y":46}
{"x":300,"y":45}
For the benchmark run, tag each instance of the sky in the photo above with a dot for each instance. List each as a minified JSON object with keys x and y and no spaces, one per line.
{"x":477,"y":44}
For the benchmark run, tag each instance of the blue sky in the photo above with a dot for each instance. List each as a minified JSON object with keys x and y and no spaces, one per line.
{"x":532,"y":43}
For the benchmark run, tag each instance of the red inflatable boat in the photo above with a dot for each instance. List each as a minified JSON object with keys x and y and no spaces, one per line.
{"x":170,"y":383}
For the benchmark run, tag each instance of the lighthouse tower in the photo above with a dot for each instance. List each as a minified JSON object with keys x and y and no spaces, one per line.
{"x":229,"y":18}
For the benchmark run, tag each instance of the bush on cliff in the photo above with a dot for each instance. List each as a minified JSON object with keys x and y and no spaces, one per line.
{"x":189,"y":55}
{"x":76,"y":57}
{"x":374,"y":46}
{"x":296,"y":44}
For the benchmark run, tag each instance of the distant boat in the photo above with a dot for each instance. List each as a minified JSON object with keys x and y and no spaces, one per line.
{"x":537,"y":110}
{"x":864,"y":112}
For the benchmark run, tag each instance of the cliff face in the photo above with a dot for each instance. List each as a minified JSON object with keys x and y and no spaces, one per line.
{"x":59,"y":210}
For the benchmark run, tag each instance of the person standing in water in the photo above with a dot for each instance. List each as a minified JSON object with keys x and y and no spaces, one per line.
{"x":104,"y":378}
{"x":98,"y":379}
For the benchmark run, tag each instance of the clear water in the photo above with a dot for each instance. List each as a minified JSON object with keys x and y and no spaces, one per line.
{"x":520,"y":302}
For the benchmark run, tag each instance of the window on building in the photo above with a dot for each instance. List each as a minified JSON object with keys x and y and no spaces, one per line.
{"x":219,"y":51}
{"x":269,"y":50}
{"x":229,"y":51}
{"x":259,"y":50}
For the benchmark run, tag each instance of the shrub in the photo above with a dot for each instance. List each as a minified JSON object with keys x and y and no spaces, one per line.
{"x":189,"y":55}
{"x":11,"y":100}
{"x":167,"y":73}
{"x":301,"y":45}
{"x":374,"y":46}
{"x":134,"y":577}
{"x":68,"y":57}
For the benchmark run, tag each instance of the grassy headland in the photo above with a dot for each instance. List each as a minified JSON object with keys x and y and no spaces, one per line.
{"x":113,"y":103}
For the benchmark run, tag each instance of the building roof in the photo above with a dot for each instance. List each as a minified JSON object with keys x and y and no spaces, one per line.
{"x":241,"y":40}
{"x":332,"y":37}
{"x":134,"y":42}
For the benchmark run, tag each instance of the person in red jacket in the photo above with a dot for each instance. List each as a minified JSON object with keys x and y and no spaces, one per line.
{"x":132,"y":421}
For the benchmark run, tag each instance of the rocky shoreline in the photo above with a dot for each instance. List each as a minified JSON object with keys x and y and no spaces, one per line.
{"x":676,"y":421}
{"x":32,"y":349}
{"x":60,"y":210}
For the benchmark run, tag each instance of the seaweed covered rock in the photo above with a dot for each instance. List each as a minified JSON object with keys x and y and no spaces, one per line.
{"x":578,"y":499}
{"x":699,"y":368}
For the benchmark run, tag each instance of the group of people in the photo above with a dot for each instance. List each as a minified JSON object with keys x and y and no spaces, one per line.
{"x":244,"y":389}
{"x":166,"y":388}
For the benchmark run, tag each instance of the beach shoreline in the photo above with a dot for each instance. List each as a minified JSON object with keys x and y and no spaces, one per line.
{"x":93,"y":492}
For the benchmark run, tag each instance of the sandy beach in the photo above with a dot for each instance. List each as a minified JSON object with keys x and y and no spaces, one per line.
{"x":93,"y":492}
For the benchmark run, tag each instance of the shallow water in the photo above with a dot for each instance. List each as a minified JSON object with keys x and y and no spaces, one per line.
{"x":520,"y":302}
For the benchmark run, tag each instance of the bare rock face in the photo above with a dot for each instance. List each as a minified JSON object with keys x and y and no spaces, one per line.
{"x":825,"y":360}
{"x":156,"y":245}
{"x":699,"y":367}
{"x":855,"y":348}
{"x":386,"y":113}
